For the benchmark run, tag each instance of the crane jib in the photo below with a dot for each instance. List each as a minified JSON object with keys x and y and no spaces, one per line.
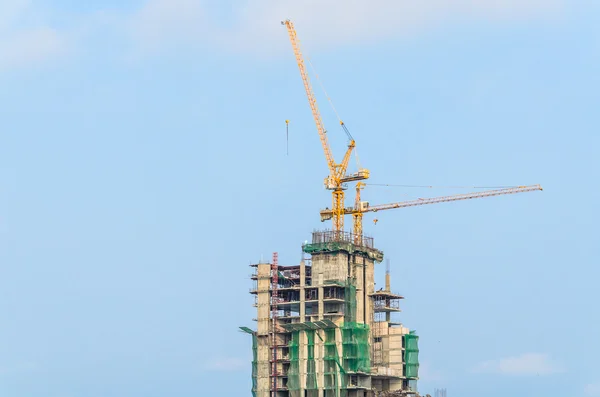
{"x":325,"y":214}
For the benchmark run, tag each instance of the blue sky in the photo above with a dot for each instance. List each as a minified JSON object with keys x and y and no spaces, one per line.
{"x":143,"y":167}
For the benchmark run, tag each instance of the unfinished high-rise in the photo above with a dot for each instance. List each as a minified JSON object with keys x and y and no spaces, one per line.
{"x":322,"y":328}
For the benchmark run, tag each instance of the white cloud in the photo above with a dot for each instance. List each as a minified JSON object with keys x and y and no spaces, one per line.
{"x":30,"y":47}
{"x":160,"y":21}
{"x":24,"y":37}
{"x":256,"y":25}
{"x":593,"y":389}
{"x":525,"y":364}
{"x":27,"y":36}
{"x":226,"y":364}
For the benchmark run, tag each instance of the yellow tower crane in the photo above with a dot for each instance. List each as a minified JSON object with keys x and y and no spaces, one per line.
{"x":337,"y":171}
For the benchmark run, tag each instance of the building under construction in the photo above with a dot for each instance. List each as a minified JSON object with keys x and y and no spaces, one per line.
{"x":323,"y":330}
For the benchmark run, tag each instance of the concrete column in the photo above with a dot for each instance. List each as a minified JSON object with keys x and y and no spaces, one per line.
{"x":264,"y":298}
{"x":369,"y":289}
{"x":263,"y":384}
{"x":303,"y":356}
{"x":320,"y":364}
{"x":359,"y":271}
{"x":320,"y":295}
{"x":302,"y":292}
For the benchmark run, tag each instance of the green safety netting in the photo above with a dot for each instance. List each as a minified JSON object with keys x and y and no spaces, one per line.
{"x":334,"y":373}
{"x":355,"y":336}
{"x":294,"y":370}
{"x":280,"y":275}
{"x":254,"y":358}
{"x":312,"y":389}
{"x":254,"y":364}
{"x":334,"y":282}
{"x":350,"y":300}
{"x":411,"y":355}
{"x":346,"y":246}
{"x":355,"y":347}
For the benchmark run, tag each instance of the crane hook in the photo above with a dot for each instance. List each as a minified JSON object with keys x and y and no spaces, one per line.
{"x":287,"y":139}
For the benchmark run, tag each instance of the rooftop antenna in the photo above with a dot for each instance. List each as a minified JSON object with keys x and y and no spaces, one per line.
{"x":387,"y":275}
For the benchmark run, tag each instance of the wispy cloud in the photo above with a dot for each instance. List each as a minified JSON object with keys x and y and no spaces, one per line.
{"x":28,"y":35}
{"x":30,"y":47}
{"x":593,"y":389}
{"x":525,"y":364}
{"x":25,"y":38}
{"x":159,"y":22}
{"x":254,"y":25}
{"x":226,"y":364}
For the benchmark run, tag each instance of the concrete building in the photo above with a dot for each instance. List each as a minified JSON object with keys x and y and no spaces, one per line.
{"x":323,"y":330}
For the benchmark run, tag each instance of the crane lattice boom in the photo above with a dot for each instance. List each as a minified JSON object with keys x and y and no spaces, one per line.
{"x":337,"y":172}
{"x":312,"y":100}
{"x":326,"y":214}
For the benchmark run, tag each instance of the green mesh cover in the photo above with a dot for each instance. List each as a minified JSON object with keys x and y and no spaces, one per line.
{"x":254,"y":363}
{"x":281,"y":276}
{"x":350,"y":303}
{"x":294,"y":371}
{"x":311,"y":370}
{"x":355,"y":336}
{"x":355,"y":348}
{"x":411,"y":355}
{"x":333,"y":246}
{"x":254,"y":357}
{"x":334,"y":373}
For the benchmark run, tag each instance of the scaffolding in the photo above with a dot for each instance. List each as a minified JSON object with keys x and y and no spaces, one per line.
{"x":274,"y":315}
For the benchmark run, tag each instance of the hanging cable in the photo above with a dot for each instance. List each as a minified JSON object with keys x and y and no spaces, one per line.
{"x":287,"y":139}
{"x":357,"y":158}
{"x":328,"y":98}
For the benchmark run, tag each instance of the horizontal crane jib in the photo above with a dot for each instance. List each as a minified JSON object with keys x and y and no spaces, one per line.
{"x":458,"y":197}
{"x":327,"y":214}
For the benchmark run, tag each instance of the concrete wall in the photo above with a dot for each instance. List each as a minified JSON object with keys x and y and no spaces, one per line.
{"x":263,"y":368}
{"x":332,"y":266}
{"x":363,"y":270}
{"x":263,"y":298}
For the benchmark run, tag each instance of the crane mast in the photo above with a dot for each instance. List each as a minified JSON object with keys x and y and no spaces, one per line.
{"x":337,"y":172}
